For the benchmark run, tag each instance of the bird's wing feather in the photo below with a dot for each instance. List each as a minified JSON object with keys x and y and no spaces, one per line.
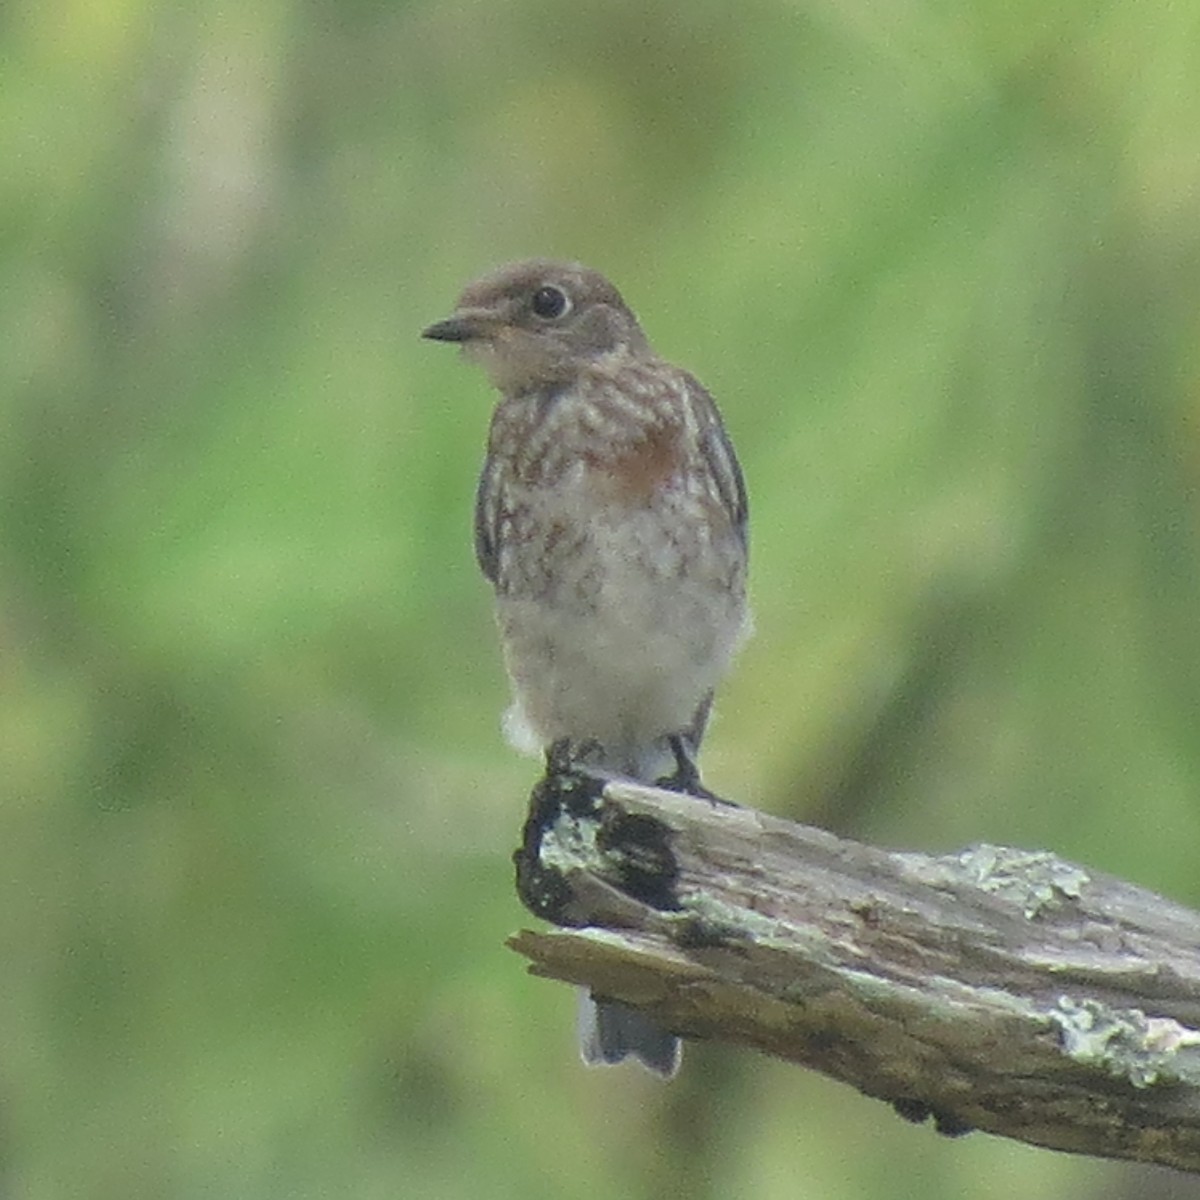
{"x":720,"y":459}
{"x":488,"y":506}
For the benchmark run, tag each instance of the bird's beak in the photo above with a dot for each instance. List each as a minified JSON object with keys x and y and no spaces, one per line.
{"x":464,"y":326}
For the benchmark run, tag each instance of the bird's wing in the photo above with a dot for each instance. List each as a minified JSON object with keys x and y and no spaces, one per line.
{"x":719,"y":457}
{"x":488,"y":506}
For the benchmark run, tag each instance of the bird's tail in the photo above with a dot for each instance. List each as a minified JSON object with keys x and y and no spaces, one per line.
{"x":610,"y":1032}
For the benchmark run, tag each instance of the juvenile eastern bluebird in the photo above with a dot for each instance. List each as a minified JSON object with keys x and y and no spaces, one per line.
{"x":611,"y":520}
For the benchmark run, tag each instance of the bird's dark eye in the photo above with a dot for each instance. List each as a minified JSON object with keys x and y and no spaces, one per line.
{"x":550,"y":302}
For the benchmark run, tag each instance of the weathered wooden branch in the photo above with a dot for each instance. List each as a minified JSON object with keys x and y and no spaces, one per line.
{"x":993,"y":989}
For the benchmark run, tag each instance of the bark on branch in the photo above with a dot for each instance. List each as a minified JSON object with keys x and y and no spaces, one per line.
{"x":992,"y":989}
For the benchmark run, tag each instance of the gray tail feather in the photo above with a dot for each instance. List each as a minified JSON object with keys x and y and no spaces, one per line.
{"x":610,"y":1032}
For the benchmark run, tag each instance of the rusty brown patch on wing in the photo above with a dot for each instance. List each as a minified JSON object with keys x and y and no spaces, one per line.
{"x":636,"y":472}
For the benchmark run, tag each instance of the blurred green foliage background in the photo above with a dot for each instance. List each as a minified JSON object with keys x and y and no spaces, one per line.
{"x":940,"y":263}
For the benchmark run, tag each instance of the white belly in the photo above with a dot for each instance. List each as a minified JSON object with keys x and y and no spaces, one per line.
{"x":639,"y":626}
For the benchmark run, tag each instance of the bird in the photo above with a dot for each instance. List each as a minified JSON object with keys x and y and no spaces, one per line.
{"x":611,"y":519}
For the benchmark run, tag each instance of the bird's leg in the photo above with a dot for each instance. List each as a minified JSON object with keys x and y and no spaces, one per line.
{"x":558,"y":757}
{"x":566,"y":755}
{"x":686,"y":778}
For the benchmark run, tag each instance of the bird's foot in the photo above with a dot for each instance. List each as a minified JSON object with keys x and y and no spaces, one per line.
{"x":565,"y":755}
{"x":686,"y":777}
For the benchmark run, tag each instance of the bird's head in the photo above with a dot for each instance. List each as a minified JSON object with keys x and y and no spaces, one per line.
{"x":537,"y":323}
